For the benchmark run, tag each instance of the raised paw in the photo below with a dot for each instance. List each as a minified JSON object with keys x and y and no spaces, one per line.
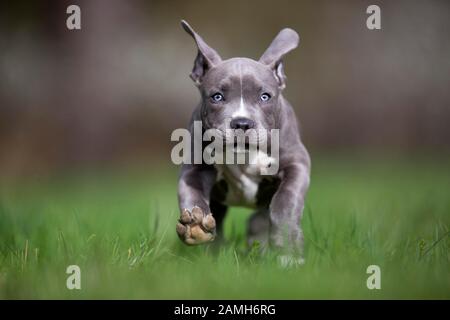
{"x":195,"y":227}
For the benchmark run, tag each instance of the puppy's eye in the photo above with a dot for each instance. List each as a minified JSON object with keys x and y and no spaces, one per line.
{"x":217,"y":97}
{"x":265,"y":97}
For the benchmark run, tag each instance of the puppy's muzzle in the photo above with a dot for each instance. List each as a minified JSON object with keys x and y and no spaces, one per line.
{"x":242,"y":123}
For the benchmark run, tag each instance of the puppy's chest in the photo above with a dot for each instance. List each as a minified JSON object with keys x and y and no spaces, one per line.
{"x":242,"y":185}
{"x":245,"y":184}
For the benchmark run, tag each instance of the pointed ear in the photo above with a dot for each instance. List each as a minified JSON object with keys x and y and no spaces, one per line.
{"x":284,"y":42}
{"x":206,"y":58}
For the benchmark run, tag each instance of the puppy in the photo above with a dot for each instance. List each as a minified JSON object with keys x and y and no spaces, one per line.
{"x":245,"y":94}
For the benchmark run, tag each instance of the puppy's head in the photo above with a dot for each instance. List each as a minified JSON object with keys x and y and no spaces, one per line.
{"x":241,"y":93}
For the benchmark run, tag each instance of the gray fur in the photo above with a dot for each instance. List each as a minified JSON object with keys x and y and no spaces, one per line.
{"x":279,"y":199}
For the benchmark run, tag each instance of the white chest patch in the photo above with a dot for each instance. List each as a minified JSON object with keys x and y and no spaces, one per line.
{"x":243,"y":179}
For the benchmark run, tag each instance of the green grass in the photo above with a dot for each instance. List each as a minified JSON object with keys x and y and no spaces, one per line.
{"x":120,"y":229}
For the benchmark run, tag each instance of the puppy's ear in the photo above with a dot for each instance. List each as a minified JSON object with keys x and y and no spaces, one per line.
{"x":206,"y":58}
{"x":284,"y":42}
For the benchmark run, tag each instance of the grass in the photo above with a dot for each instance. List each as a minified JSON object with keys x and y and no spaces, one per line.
{"x":120,"y":229}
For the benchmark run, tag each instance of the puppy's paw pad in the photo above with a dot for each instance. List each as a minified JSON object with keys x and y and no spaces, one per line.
{"x":197,"y":215}
{"x":208,"y":222}
{"x":185,"y":217}
{"x":195,"y":227}
{"x":181,"y":229}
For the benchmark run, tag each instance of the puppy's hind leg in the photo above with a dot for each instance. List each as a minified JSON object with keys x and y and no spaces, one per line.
{"x":258,"y":228}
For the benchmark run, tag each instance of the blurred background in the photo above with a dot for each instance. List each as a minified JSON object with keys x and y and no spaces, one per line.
{"x":111,"y":93}
{"x":85,"y":170}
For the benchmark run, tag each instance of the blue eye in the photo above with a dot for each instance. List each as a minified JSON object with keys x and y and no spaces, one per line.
{"x":217,"y":97}
{"x":265,"y":97}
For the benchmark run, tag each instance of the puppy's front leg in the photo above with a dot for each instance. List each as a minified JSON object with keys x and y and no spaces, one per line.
{"x":196,"y":224}
{"x":286,"y":210}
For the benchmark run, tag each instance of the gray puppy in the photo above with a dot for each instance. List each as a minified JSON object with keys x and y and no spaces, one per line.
{"x":242,"y":93}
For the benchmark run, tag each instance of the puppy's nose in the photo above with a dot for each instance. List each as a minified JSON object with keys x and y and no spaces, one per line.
{"x":242,"y":123}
